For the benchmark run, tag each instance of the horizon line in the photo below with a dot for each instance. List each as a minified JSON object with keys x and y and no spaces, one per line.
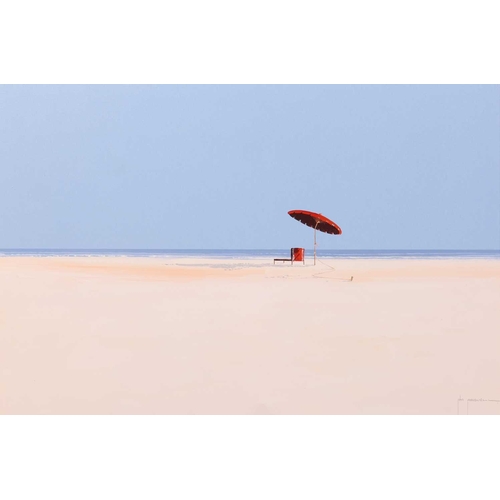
{"x":256,"y":249}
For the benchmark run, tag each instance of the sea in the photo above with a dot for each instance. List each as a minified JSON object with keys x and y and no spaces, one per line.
{"x":253,"y":254}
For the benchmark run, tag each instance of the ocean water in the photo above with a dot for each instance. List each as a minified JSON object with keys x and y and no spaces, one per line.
{"x":254,"y":254}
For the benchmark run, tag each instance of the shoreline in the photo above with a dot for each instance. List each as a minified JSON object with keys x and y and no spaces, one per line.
{"x":222,"y":254}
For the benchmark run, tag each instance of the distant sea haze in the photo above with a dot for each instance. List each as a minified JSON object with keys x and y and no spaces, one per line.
{"x":253,"y":254}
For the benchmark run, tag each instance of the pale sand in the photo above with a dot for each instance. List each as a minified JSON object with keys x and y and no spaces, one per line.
{"x":132,"y":335}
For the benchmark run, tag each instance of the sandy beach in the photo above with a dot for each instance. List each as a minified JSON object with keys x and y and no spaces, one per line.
{"x":128,"y":335}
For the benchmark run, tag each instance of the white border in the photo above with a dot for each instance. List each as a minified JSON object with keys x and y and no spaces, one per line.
{"x":249,"y":457}
{"x":261,"y":41}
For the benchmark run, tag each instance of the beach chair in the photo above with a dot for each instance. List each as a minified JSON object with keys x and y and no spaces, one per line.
{"x":296,"y":255}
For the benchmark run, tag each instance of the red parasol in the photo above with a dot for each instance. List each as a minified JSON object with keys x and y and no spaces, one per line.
{"x":316,"y":221}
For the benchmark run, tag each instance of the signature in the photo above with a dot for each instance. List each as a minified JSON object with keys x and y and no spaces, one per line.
{"x":473,"y":400}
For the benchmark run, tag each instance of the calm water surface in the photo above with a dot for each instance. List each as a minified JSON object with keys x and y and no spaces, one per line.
{"x":255,"y":254}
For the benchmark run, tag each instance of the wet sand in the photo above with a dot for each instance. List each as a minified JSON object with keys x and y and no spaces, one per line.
{"x":210,"y":336}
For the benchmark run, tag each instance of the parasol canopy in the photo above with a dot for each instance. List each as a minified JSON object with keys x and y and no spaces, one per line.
{"x":317,"y":222}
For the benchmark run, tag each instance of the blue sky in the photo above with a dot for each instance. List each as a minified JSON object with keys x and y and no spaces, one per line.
{"x":397,"y":167}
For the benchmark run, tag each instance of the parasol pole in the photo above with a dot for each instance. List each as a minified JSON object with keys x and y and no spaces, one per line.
{"x":315,"y":241}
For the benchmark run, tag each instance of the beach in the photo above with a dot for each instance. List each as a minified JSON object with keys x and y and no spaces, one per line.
{"x":188,"y":335}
